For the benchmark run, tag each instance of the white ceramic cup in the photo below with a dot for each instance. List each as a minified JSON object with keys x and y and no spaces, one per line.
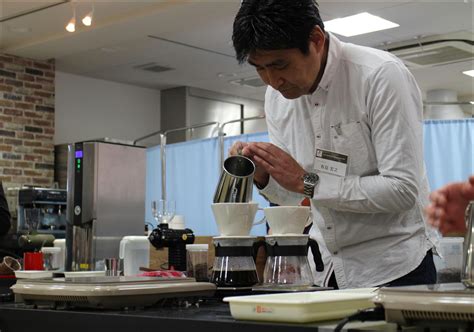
{"x":235,"y":219}
{"x":287,"y":219}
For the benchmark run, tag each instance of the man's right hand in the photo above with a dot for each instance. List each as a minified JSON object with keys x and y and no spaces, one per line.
{"x":448,"y":204}
{"x":261,"y":177}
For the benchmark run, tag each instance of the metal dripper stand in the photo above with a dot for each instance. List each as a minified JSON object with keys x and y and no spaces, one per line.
{"x":467,"y":275}
{"x":165,"y":237}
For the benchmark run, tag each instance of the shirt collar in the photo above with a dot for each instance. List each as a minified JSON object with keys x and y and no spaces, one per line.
{"x":334,"y":52}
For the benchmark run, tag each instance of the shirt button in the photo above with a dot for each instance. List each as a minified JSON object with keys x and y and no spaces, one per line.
{"x":319,"y":136}
{"x":329,"y":227}
{"x":334,"y":253}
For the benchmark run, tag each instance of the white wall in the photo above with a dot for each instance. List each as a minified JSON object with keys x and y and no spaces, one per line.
{"x":88,"y":108}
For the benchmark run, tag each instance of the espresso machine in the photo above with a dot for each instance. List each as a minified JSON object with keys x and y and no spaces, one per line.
{"x":105,"y":200}
{"x":42,"y":211}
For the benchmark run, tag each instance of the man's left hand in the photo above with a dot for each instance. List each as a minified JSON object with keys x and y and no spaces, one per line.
{"x":279,"y":164}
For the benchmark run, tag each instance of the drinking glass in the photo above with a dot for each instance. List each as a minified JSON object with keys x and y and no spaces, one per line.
{"x":163,"y":211}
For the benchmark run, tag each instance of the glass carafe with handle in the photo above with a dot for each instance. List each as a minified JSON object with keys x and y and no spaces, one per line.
{"x":287,"y":262}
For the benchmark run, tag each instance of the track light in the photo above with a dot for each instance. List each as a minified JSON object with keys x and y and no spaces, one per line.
{"x":71,"y":26}
{"x":87,"y":20}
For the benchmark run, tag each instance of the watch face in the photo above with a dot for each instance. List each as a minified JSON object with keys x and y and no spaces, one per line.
{"x":311,"y":178}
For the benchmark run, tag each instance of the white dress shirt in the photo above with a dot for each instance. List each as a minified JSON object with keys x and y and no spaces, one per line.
{"x":369,"y":223}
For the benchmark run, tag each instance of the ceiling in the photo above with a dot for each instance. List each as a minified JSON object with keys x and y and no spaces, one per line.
{"x":193,"y":38}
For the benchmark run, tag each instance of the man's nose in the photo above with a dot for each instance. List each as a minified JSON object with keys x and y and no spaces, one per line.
{"x":273,"y":79}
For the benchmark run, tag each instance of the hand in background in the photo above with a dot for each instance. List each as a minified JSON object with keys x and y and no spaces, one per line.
{"x":448,"y":205}
{"x":261,"y":176}
{"x":278,"y":163}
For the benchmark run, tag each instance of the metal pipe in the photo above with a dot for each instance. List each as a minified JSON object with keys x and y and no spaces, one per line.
{"x":163,"y":165}
{"x":147,"y":136}
{"x":221,"y":134}
{"x":163,"y":137}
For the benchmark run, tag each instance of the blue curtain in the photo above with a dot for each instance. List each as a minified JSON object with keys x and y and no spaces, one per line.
{"x":193,"y":170}
{"x":449,"y":150}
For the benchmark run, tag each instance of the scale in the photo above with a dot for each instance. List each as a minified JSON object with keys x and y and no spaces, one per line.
{"x":405,"y":305}
{"x":108,"y":292}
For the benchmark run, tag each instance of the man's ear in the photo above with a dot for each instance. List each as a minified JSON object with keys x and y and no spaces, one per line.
{"x":318,"y":38}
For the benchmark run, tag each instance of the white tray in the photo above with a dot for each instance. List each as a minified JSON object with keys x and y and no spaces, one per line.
{"x":33,"y":274}
{"x":301,"y":307}
{"x":83,"y":274}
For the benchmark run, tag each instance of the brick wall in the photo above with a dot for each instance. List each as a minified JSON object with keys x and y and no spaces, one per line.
{"x":26,"y":124}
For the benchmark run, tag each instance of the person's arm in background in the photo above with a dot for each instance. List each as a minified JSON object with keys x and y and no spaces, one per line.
{"x":448,"y":205}
{"x":4,"y":213}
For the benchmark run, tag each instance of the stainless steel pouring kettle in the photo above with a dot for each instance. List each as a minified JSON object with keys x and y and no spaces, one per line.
{"x":236,"y":182}
{"x":467,"y":275}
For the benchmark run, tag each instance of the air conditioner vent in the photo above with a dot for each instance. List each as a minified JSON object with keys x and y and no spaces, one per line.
{"x":435,"y":54}
{"x":445,"y":54}
{"x":253,"y":82}
{"x":153,"y":67}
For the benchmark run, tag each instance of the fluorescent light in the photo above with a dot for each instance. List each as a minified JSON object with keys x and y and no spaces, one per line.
{"x":472,"y":102}
{"x":358,"y":24}
{"x":469,"y":73}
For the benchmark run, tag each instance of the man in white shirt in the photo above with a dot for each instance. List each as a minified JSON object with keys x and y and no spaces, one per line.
{"x":345,"y":125}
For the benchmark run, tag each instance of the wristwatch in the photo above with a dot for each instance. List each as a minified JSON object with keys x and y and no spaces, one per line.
{"x":310,"y":180}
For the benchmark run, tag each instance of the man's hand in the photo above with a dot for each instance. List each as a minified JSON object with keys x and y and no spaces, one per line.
{"x":279,"y":164}
{"x":448,"y":205}
{"x":260,"y":177}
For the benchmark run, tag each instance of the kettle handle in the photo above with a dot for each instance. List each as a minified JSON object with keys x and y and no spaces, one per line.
{"x":318,"y":260}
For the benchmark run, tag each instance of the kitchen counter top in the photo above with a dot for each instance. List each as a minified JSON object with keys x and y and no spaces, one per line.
{"x":210,"y":316}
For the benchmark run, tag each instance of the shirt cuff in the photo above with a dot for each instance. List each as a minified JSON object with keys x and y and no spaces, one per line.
{"x":328,"y":187}
{"x":271,"y":189}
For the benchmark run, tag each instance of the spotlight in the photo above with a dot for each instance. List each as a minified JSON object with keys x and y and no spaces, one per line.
{"x":71,"y":26}
{"x":87,"y":20}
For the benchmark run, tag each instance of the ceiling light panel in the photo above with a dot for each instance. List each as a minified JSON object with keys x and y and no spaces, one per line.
{"x":358,"y":24}
{"x":469,"y":73}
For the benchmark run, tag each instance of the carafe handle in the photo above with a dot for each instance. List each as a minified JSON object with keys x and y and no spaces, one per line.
{"x":255,"y":248}
{"x":318,"y":260}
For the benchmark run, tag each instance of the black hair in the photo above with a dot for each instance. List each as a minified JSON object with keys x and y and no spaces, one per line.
{"x":274,"y":25}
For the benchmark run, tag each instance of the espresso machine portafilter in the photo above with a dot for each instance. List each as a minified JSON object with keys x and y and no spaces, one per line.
{"x":105,"y":200}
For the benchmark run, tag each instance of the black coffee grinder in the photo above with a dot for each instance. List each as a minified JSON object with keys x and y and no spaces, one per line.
{"x":175,"y":240}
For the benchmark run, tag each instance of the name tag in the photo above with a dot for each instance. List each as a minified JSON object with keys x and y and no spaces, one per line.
{"x":330,"y":162}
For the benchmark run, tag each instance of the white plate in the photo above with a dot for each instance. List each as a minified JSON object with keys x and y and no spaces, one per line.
{"x":301,"y":307}
{"x":83,"y":274}
{"x":33,"y":274}
{"x":234,"y":237}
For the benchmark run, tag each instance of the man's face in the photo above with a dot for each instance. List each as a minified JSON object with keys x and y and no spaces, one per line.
{"x":289,"y":71}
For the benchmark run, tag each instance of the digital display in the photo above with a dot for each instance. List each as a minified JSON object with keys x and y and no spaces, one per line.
{"x":79,"y":154}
